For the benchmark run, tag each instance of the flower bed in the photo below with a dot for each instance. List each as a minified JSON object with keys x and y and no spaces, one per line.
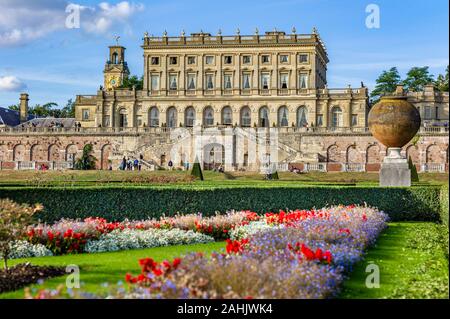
{"x":298,"y":254}
{"x":139,"y":239}
{"x":97,"y":234}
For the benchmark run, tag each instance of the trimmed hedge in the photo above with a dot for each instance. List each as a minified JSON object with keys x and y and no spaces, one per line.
{"x":117,"y":203}
{"x":444,"y":204}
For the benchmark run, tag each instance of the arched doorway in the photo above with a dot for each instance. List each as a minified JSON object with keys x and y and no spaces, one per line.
{"x":213,"y":156}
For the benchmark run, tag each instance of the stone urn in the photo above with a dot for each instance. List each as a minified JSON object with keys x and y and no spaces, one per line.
{"x":394,"y":122}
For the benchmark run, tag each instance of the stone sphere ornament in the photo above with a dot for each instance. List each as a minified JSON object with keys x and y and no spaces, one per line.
{"x":394,"y":121}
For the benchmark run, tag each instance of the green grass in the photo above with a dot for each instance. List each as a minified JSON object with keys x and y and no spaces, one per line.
{"x":84,"y":178}
{"x":412,"y":262}
{"x":96,"y":269}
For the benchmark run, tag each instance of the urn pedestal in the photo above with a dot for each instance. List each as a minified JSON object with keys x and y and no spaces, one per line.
{"x":394,"y":121}
{"x":394,"y":169}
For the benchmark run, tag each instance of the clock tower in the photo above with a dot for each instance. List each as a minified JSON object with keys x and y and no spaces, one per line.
{"x":116,"y":69}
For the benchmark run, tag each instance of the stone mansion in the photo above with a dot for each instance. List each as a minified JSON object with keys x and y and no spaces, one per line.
{"x":239,"y":101}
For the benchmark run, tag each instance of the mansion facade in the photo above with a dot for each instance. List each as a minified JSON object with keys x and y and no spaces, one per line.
{"x":271,"y":80}
{"x":242,"y":102}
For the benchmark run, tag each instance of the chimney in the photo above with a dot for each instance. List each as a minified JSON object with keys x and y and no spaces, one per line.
{"x":400,"y":90}
{"x":23,"y":107}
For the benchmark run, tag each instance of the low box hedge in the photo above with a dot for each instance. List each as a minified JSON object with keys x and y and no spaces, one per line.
{"x":117,"y":203}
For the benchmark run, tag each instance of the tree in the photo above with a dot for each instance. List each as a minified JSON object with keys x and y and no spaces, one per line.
{"x":87,"y":160}
{"x":13,"y":107}
{"x":14,"y":219}
{"x":43,"y":110}
{"x":412,"y":167}
{"x":68,"y":111}
{"x":386,"y":83}
{"x":417,"y":78}
{"x":129,"y":82}
{"x":197,"y":170}
{"x":442,"y":81}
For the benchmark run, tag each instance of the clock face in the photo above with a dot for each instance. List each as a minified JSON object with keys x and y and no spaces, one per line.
{"x":113,"y":81}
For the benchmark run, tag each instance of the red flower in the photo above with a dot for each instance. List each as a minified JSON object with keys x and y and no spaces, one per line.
{"x":176,"y":262}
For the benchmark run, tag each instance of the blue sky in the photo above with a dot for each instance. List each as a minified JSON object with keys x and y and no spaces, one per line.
{"x":39,"y":55}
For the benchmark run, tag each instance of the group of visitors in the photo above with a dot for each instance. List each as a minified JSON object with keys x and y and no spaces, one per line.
{"x":128,"y":164}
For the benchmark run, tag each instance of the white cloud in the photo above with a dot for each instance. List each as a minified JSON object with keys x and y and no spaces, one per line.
{"x":22,"y":21}
{"x":102,"y":19}
{"x":11,"y":84}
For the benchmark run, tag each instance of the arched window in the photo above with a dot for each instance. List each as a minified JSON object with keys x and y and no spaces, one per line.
{"x":172,"y":117}
{"x":153,"y":120}
{"x":246,"y":118}
{"x":336,"y":117}
{"x":302,"y":116}
{"x":283,"y":116}
{"x":264,"y":117}
{"x":189,"y":117}
{"x":227,"y":116}
{"x":115,"y":58}
{"x":208,"y":116}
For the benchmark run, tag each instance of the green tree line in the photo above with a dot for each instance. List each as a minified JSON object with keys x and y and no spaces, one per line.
{"x":50,"y":109}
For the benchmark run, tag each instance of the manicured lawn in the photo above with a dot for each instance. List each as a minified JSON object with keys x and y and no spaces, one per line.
{"x":412,"y":262}
{"x":97,"y":269}
{"x":68,"y":178}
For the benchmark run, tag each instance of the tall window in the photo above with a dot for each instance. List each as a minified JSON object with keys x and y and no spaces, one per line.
{"x":246,"y":81}
{"x":264,"y":117}
{"x":85,"y":114}
{"x":265,"y":81}
{"x":246,"y":119}
{"x":354,"y":119}
{"x":191,"y":81}
{"x":208,"y":116}
{"x":106,"y":121}
{"x":336,"y":117}
{"x":189,"y":117}
{"x":284,"y":80}
{"x":428,"y":112}
{"x":302,"y":116}
{"x":227,"y":116}
{"x":246,"y":59}
{"x":209,"y":81}
{"x":154,"y":117}
{"x":283,"y":116}
{"x":173,"y":82}
{"x":172,"y":117}
{"x":303,"y":81}
{"x":209,"y":59}
{"x":154,"y":82}
{"x":228,"y":81}
{"x":319,"y":120}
